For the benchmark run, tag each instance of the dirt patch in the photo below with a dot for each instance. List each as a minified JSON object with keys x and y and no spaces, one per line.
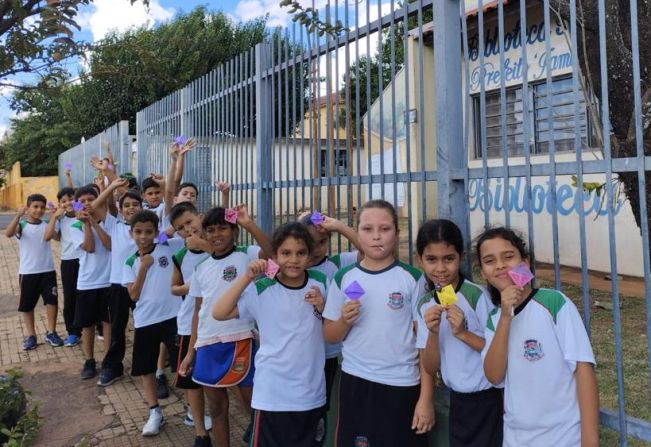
{"x":68,"y":406}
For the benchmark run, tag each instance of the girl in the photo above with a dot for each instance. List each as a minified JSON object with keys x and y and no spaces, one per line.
{"x":371,"y":307}
{"x":289,"y":392}
{"x":452,"y":337}
{"x":536,"y":343}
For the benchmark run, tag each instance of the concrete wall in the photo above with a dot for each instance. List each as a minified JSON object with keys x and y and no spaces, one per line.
{"x":17,"y":188}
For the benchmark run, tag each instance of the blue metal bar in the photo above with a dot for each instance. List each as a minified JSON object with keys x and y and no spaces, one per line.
{"x":264,"y":140}
{"x":483,"y":146}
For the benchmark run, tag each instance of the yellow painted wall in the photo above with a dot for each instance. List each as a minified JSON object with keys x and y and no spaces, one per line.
{"x":17,"y":188}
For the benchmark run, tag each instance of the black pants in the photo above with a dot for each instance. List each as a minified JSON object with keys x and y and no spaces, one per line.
{"x":69,"y":273}
{"x":476,"y":418}
{"x":119,"y":305}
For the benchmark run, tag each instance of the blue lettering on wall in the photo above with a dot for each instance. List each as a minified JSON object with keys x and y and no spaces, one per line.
{"x":568,"y":198}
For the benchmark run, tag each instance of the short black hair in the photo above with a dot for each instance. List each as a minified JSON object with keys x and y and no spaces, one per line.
{"x":186,"y":185}
{"x":216,"y":216}
{"x":296,"y":230}
{"x":84,"y":191}
{"x":180,"y":208}
{"x":133,"y":183}
{"x":94,"y":186}
{"x":67,"y":191}
{"x":145,"y":216}
{"x":36,"y":198}
{"x":149,"y":183}
{"x":131,"y":194}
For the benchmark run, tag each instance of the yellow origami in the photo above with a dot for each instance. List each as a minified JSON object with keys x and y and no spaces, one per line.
{"x":447,"y":296}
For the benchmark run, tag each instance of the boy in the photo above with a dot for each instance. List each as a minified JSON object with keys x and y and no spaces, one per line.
{"x":36,"y":269}
{"x":93,"y":280}
{"x":60,"y":228}
{"x":147,"y":274}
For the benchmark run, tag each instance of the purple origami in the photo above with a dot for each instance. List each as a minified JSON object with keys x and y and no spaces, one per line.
{"x":316,"y":218}
{"x":162,"y":237}
{"x":354,"y":291}
{"x":181,"y":140}
{"x":77,"y":206}
{"x":521,"y":275}
{"x":67,"y":165}
{"x":272,"y":269}
{"x":230,"y":215}
{"x":50,"y":205}
{"x":109,"y":167}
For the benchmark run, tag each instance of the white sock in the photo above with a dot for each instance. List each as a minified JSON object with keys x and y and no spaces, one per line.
{"x":160,"y":372}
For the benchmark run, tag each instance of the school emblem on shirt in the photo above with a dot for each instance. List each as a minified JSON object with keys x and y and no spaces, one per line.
{"x":361,"y":441}
{"x":230,"y":273}
{"x":396,"y":301}
{"x":163,"y":261}
{"x":533,"y":350}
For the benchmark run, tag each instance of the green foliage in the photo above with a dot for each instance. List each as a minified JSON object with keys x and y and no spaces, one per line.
{"x":12,"y":406}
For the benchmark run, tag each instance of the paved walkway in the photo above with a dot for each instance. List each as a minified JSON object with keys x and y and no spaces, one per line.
{"x":76,"y":412}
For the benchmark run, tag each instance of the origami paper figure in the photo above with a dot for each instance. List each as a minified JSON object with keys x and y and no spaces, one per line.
{"x":109,"y":166}
{"x":272,"y":269}
{"x":67,"y":165}
{"x":50,"y":205}
{"x":520,"y":275}
{"x":162,"y":237}
{"x":230,"y":215}
{"x":77,"y":206}
{"x":447,"y":296}
{"x":181,"y":140}
{"x":354,"y":291}
{"x":317,"y":218}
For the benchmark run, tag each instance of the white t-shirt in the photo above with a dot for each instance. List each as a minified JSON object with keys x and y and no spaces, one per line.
{"x":381,"y":344}
{"x":35,"y":251}
{"x":95,"y":267}
{"x":122,"y":245}
{"x":161,"y":212}
{"x":211,"y":278}
{"x":329,"y":266}
{"x":69,"y":250}
{"x":156,"y":302}
{"x":289,"y":364}
{"x":546,"y":340}
{"x":461,"y":366}
{"x":186,"y":260}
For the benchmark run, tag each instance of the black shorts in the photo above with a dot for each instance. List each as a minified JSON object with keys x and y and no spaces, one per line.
{"x":476,"y":418}
{"x":92,"y":307}
{"x":146,"y":345}
{"x":184,"y":383}
{"x":33,"y":285}
{"x":375,"y":414}
{"x":69,"y":274}
{"x":331,"y":368}
{"x":288,"y":428}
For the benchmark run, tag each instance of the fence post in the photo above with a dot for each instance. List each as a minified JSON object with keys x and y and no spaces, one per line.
{"x":449,"y":116}
{"x":264,"y":138}
{"x":124,"y":151}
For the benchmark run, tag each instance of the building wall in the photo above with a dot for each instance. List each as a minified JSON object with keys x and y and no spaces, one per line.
{"x":18,"y":188}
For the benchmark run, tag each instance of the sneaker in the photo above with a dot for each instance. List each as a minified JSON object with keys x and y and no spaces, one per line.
{"x":100,"y":337}
{"x":53,"y":339}
{"x":29,"y":343}
{"x":89,"y":370}
{"x":71,"y":340}
{"x":162,"y":392}
{"x":189,"y":421}
{"x":202,"y":441}
{"x":107,"y":377}
{"x":154,"y":423}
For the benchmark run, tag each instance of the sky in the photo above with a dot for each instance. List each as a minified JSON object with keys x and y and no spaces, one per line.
{"x":101,"y":16}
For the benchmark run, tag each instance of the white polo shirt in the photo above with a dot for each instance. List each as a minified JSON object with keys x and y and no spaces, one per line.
{"x":185,"y":261}
{"x":122,"y":245}
{"x":156,"y":302}
{"x":289,"y":364}
{"x":63,"y":226}
{"x":212,"y":277}
{"x":381,"y":344}
{"x":35,"y":252}
{"x":461,"y":366}
{"x":95,"y":267}
{"x":546,"y":340}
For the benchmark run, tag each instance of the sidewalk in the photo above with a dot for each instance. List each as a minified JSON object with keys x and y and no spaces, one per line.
{"x":76,"y":412}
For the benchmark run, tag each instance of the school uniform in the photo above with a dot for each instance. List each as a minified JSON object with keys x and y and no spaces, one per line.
{"x":546,"y":340}
{"x":475,"y":405}
{"x":380,"y":369}
{"x":220,"y":343}
{"x":289,"y":392}
{"x":69,"y":271}
{"x":154,"y":317}
{"x":36,"y":267}
{"x":161,"y":212}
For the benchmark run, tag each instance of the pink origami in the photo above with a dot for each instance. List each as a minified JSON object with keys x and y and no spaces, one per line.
{"x":162,"y":237}
{"x":230,"y":215}
{"x":67,"y":165}
{"x":316,"y":218}
{"x":272,"y":269}
{"x":77,"y":206}
{"x":51,"y":205}
{"x":521,"y":275}
{"x":110,"y":167}
{"x":354,"y":291}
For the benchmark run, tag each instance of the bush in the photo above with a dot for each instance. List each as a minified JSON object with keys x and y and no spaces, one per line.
{"x":17,"y":426}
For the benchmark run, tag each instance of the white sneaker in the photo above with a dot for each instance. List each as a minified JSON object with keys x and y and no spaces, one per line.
{"x":189,"y":421}
{"x":154,"y":423}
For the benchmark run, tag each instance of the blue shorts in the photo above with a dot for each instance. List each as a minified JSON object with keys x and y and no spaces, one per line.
{"x":222,"y":365}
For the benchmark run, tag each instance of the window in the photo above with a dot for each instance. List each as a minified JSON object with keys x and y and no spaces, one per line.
{"x":340,"y":161}
{"x":560,"y":105}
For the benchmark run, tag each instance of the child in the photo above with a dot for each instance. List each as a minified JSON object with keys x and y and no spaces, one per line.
{"x":536,"y":343}
{"x":371,"y":306}
{"x":219,"y":343}
{"x":187,"y":223}
{"x":289,"y":393}
{"x":147,"y":275}
{"x":60,"y":228}
{"x":36,"y":270}
{"x":94,"y":277}
{"x":451,"y":337}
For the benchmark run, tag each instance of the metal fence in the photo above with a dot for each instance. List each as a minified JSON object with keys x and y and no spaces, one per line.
{"x":504,"y":125}
{"x":78,"y":158}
